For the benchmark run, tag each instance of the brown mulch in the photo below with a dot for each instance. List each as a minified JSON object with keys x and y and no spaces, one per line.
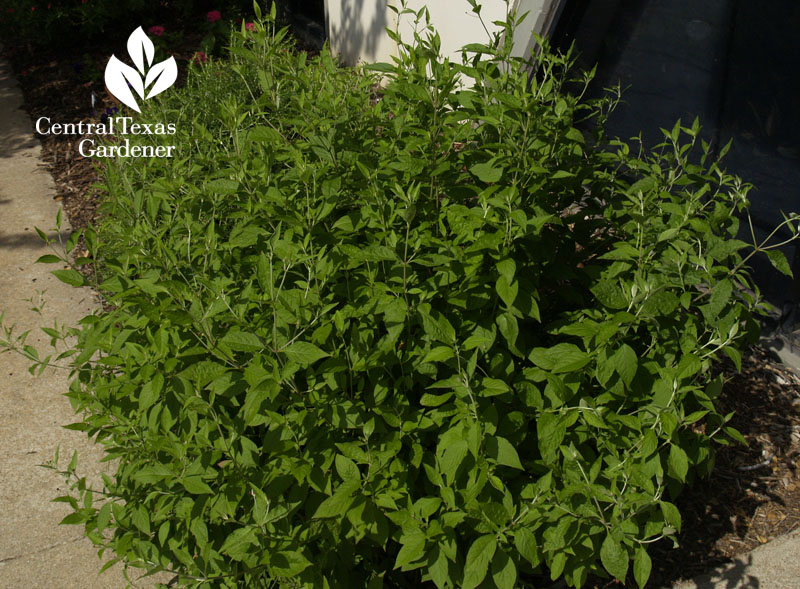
{"x":753,"y":494}
{"x":68,"y":88}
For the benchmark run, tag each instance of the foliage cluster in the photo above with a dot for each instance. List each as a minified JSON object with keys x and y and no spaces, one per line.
{"x":58,"y":23}
{"x":445,"y":334}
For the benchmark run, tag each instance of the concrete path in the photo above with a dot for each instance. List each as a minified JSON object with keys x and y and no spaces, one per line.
{"x":775,"y":565}
{"x":34,"y":550}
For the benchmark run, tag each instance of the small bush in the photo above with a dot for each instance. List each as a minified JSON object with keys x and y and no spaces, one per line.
{"x":65,"y":23}
{"x":436,"y":335}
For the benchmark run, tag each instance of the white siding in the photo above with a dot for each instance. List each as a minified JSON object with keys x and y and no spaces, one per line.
{"x":356,"y":28}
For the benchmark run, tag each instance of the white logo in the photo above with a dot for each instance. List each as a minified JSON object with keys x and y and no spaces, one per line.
{"x":121,"y":78}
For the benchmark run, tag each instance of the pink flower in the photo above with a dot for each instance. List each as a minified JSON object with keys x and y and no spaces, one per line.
{"x":214,"y":16}
{"x":156,"y":30}
{"x":199,"y":57}
{"x":250,"y":26}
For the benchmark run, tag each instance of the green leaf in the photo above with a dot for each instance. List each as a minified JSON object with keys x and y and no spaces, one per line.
{"x":304,"y":353}
{"x":503,"y":452}
{"x":609,"y":294}
{"x":487,"y":172}
{"x":504,"y":571}
{"x":527,"y":546}
{"x":264,"y":134}
{"x":645,"y":184}
{"x":71,"y":277}
{"x":428,"y":400}
{"x":491,"y":387}
{"x":372,"y":253}
{"x":614,"y":558}
{"x":481,"y":338}
{"x":252,"y":405}
{"x":73,"y":518}
{"x":576,"y":135}
{"x":48,"y":259}
{"x":238,"y":542}
{"x":439,"y":354}
{"x":288,"y":563}
{"x":103,"y":517}
{"x":509,"y":328}
{"x":151,"y":391}
{"x":735,"y":356}
{"x":735,"y":435}
{"x":439,"y":570}
{"x":337,"y":504}
{"x":507,"y":268}
{"x":478,"y":558}
{"x":200,"y":531}
{"x":560,"y":358}
{"x":245,"y":236}
{"x":551,"y":430}
{"x":507,"y":291}
{"x":347,"y":469}
{"x":152,"y":474}
{"x":452,"y":457}
{"x":677,"y":463}
{"x":779,"y":261}
{"x":641,"y":566}
{"x":625,"y":363}
{"x":671,"y":514}
{"x":412,"y":548}
{"x":223,"y":186}
{"x":668,"y":234}
{"x":196,"y":486}
{"x":720,"y":295}
{"x":382,"y":67}
{"x":241,"y":341}
{"x":438,"y":327}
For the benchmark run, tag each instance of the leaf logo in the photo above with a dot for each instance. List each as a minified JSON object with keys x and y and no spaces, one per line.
{"x":122,"y":80}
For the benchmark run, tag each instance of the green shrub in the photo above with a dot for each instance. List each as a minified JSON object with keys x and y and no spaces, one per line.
{"x":440,"y":338}
{"x":65,"y":23}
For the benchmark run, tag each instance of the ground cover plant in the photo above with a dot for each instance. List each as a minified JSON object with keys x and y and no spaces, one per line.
{"x":443,"y":337}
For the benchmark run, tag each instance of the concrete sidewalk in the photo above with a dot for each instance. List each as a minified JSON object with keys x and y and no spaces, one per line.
{"x":775,"y":565}
{"x":35,"y":552}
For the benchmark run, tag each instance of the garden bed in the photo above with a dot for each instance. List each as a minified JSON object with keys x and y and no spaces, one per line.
{"x":753,"y":493}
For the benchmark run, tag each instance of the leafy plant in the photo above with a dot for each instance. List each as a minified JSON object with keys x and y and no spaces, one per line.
{"x":441,"y":334}
{"x":58,"y":23}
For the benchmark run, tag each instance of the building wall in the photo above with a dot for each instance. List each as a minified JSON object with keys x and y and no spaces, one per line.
{"x":356,"y":28}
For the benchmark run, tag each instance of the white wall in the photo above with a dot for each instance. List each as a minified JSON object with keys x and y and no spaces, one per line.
{"x":356,"y":28}
{"x":456,"y":24}
{"x":541,"y":17}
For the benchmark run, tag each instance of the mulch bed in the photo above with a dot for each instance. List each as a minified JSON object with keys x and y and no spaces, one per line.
{"x":753,"y":494}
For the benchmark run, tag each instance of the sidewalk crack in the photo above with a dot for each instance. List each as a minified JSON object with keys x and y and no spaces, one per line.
{"x":40,"y":550}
